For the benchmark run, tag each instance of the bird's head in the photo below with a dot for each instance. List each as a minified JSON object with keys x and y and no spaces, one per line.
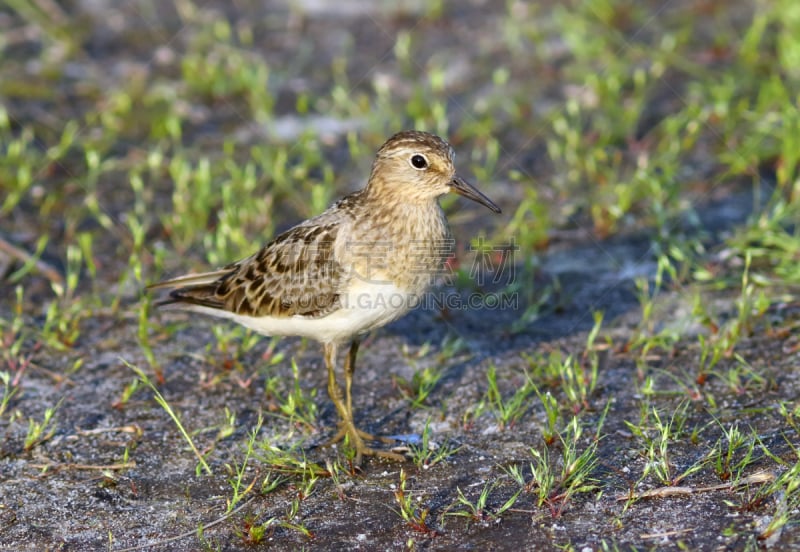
{"x":418,"y":167}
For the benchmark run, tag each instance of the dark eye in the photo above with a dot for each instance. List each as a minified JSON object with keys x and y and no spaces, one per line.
{"x":419,"y":162}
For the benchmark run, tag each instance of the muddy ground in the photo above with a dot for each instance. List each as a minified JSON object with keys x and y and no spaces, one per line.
{"x":118,"y":475}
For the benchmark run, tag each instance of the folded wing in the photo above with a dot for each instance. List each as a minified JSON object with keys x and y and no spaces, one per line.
{"x":295,"y":274}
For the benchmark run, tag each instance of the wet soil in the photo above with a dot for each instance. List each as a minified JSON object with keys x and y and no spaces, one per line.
{"x":70,"y":494}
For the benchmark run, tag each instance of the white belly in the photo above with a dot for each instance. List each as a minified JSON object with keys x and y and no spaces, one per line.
{"x":368,"y":305}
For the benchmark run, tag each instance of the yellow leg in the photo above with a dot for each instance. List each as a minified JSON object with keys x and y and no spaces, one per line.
{"x":349,"y":368}
{"x":344,"y":407}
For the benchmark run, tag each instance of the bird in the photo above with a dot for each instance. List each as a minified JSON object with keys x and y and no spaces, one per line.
{"x":357,"y":266}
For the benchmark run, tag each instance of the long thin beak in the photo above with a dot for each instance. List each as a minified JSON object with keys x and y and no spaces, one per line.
{"x":464,"y":188}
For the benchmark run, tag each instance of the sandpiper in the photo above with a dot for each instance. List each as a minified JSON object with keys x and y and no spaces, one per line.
{"x":359,"y":265}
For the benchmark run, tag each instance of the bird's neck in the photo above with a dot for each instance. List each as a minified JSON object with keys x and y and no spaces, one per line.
{"x":411,"y":218}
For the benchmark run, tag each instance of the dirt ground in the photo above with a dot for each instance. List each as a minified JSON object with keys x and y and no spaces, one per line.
{"x":118,"y":475}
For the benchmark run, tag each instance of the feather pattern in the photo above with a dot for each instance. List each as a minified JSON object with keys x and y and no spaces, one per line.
{"x":294,"y":274}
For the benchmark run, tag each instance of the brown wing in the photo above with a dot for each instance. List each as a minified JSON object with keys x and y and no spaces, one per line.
{"x":295,"y":274}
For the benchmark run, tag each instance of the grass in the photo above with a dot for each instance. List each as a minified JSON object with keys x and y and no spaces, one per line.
{"x":415,"y":516}
{"x":239,"y":471}
{"x":424,"y":379}
{"x":506,"y":410}
{"x":159,"y":398}
{"x":40,"y":432}
{"x":656,"y":436}
{"x":124,"y":158}
{"x":556,"y":485}
{"x":297,"y":405}
{"x":477,"y":510}
{"x":429,"y":453}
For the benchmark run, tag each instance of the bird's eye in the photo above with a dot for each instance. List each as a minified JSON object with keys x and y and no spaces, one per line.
{"x":419,"y":162}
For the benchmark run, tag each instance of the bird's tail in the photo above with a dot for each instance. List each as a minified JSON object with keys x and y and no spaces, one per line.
{"x":193,"y":289}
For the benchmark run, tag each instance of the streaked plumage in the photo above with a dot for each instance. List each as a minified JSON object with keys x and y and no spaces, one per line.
{"x":357,"y":266}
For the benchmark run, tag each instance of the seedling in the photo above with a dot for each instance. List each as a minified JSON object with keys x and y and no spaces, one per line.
{"x":411,"y":513}
{"x":239,"y":471}
{"x":428,"y":453}
{"x":172,"y":414}
{"x":298,"y":405}
{"x":39,"y":432}
{"x":555,"y":485}
{"x":478,"y":510}
{"x":507,"y":411}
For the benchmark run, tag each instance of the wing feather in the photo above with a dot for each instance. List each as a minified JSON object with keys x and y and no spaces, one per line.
{"x":294,"y":274}
{"x":191,"y":279}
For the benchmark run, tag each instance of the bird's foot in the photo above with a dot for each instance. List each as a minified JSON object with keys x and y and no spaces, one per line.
{"x":343,"y":431}
{"x":356,"y":437}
